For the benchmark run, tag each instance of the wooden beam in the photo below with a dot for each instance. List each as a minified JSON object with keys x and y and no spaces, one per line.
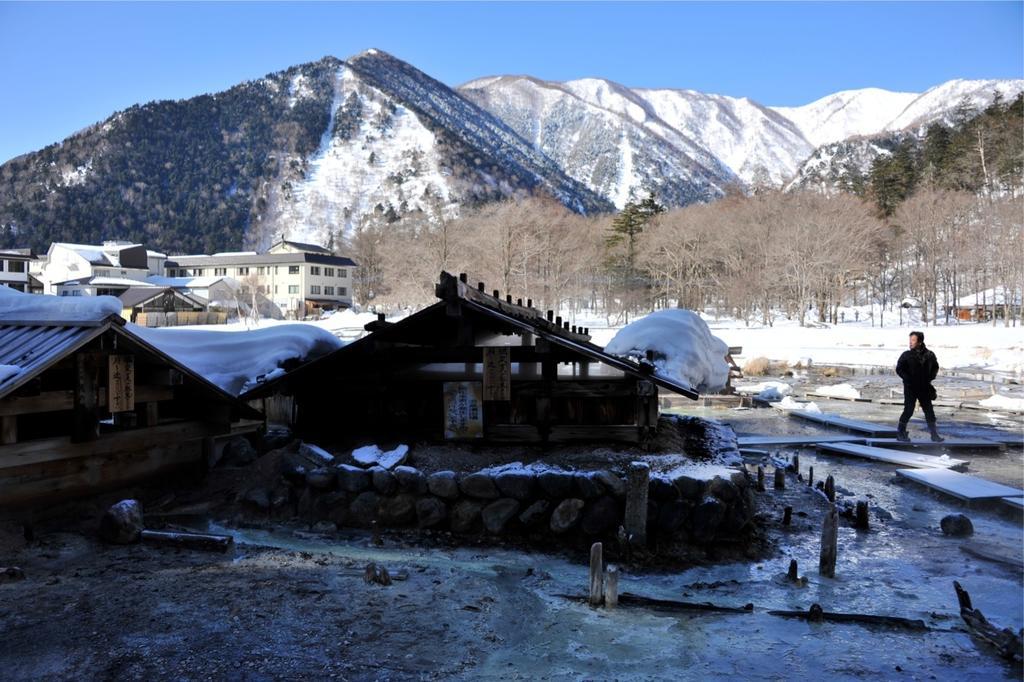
{"x":9,"y":428}
{"x":58,"y":401}
{"x":86,"y":420}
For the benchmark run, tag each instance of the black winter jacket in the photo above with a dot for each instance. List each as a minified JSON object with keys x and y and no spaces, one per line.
{"x":917,"y":368}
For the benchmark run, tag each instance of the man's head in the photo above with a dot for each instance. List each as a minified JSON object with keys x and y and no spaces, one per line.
{"x":916,"y":339}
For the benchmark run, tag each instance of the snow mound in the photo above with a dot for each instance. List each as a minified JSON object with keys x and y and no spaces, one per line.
{"x":15,"y":305}
{"x":235,"y":360}
{"x":839,"y":391}
{"x":787,"y":403}
{"x":767,"y":390}
{"x":8,"y":371}
{"x":683,"y":346}
{"x":1002,"y":402}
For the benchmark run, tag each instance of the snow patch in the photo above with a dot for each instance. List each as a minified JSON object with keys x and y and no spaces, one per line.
{"x":839,"y":391}
{"x":1002,"y":402}
{"x":8,"y":372}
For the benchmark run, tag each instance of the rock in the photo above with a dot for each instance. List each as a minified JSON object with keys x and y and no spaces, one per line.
{"x":277,"y":436}
{"x":325,"y":527}
{"x":737,"y":515}
{"x":653,"y":509}
{"x":258,"y":497}
{"x":384,"y":482}
{"x":399,"y":510}
{"x":519,"y":485}
{"x":430,"y":512}
{"x":612,"y":484}
{"x":367,"y":455}
{"x":339,"y":514}
{"x":322,"y":478}
{"x":316,"y":455}
{"x":690,"y":488}
{"x":122,"y":523}
{"x":587,"y":486}
{"x":601,"y":516}
{"x":238,"y":452}
{"x":293,"y":467}
{"x":740,"y":479}
{"x":672,"y":515}
{"x":662,"y":489}
{"x":279,"y":496}
{"x":443,"y":484}
{"x":353,"y":479}
{"x":566,"y":515}
{"x":478,"y":485}
{"x":410,"y":480}
{"x":363,"y":510}
{"x":304,"y":507}
{"x":465,"y":516}
{"x":957,"y":525}
{"x":497,"y":514}
{"x":706,"y":518}
{"x":535,"y":514}
{"x":392,"y":458}
{"x":557,"y":484}
{"x":11,"y":574}
{"x":723,"y":489}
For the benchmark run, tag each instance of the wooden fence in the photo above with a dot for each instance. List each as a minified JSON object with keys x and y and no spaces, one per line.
{"x":179,"y":319}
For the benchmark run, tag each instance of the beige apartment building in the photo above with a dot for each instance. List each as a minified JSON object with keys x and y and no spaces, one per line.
{"x":301,"y":279}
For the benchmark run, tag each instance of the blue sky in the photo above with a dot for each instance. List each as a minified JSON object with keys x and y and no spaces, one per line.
{"x":66,"y":66}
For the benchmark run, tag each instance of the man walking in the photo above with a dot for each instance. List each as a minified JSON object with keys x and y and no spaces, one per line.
{"x":918,"y":367}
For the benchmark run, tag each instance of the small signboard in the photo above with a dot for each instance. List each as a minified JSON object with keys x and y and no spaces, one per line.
{"x":463,"y":410}
{"x":498,"y":373}
{"x":121,"y":383}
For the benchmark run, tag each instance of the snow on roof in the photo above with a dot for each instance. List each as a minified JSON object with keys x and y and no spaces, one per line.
{"x":155,"y":254}
{"x":994,"y":296}
{"x":234,"y":360}
{"x":190,"y":282}
{"x":235,"y":253}
{"x":118,"y":282}
{"x":684,"y":348}
{"x":20,"y":307}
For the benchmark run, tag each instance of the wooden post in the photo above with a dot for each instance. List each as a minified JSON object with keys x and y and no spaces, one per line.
{"x":792,"y":575}
{"x":596,"y":574}
{"x":780,"y":478}
{"x":9,"y":428}
{"x":795,"y":466}
{"x":830,"y":489}
{"x":810,"y":476}
{"x":760,"y":478}
{"x":611,"y":587}
{"x":635,"y":521}
{"x":861,"y":522}
{"x":829,"y":543}
{"x":787,"y":516}
{"x":86,"y":423}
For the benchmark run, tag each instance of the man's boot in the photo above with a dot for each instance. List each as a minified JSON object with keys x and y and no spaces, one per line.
{"x":933,"y":429}
{"x":901,"y":433}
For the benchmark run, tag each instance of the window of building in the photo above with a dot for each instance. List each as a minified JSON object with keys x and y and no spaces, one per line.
{"x":64,"y":293}
{"x":342,"y":273}
{"x":314,"y":270}
{"x":293,"y":269}
{"x":76,"y":292}
{"x":220,"y":272}
{"x":2,"y":265}
{"x":328,"y":291}
{"x":275,"y":269}
{"x":293,"y":288}
{"x":342,"y":291}
{"x":261,"y":270}
{"x":197,"y":272}
{"x":314,"y":289}
{"x":328,"y":272}
{"x":16,"y":266}
{"x":275,"y":288}
{"x":243,"y":271}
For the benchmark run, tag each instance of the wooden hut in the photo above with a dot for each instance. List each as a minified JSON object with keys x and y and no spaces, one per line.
{"x":474,"y":366}
{"x":86,"y":405}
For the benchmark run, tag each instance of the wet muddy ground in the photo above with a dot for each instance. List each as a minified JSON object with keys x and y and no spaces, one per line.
{"x":287,"y":604}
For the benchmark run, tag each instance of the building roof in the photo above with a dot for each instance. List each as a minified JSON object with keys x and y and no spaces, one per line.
{"x":301,"y":246}
{"x":204,"y":282}
{"x":17,"y":254}
{"x":107,"y":253}
{"x":141,"y":295}
{"x":258,"y":259}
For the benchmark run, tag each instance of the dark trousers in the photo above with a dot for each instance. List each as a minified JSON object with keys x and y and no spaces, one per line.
{"x":909,"y":398}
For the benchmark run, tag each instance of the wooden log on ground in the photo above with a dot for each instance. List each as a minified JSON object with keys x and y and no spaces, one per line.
{"x":787,"y":516}
{"x":611,"y":587}
{"x":861,"y":515}
{"x":596,"y":574}
{"x":629,"y":599}
{"x":1008,"y":644}
{"x":829,"y":543}
{"x":635,"y":519}
{"x":817,"y":614}
{"x":180,"y":540}
{"x":780,"y":478}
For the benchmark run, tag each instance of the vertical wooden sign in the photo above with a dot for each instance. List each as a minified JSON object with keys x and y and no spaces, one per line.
{"x":121,"y":383}
{"x":463,"y":410}
{"x":498,"y":373}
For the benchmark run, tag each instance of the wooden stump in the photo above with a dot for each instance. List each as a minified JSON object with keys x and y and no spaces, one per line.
{"x":829,"y":543}
{"x":830,"y":489}
{"x":635,"y":520}
{"x":810,"y":476}
{"x":787,"y":516}
{"x":793,"y":574}
{"x":796,"y":463}
{"x":596,"y":574}
{"x":760,"y":478}
{"x":780,"y":478}
{"x":861,"y":522}
{"x":611,"y":587}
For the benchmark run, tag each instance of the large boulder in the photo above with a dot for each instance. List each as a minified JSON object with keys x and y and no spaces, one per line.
{"x":689,"y":488}
{"x":465,"y":516}
{"x":661,"y":489}
{"x":399,"y":510}
{"x":497,"y":514}
{"x":566,"y":515}
{"x":478,"y":485}
{"x":410,"y":480}
{"x":363,"y":510}
{"x":430,"y":512}
{"x":612,"y":484}
{"x":672,"y":515}
{"x":535,"y":514}
{"x":587,"y":486}
{"x":557,"y":484}
{"x":444,"y":484}
{"x":519,"y":485}
{"x":706,"y":518}
{"x":238,"y":452}
{"x":384,"y":482}
{"x":957,"y":525}
{"x":258,"y":497}
{"x":322,"y":478}
{"x":122,"y":523}
{"x":354,"y":479}
{"x":276,"y":436}
{"x":724,"y":490}
{"x":601,"y":516}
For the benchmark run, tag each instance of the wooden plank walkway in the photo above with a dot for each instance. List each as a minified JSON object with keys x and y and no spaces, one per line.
{"x":951,"y":443}
{"x":765,"y":441}
{"x":961,"y":486}
{"x":1016,"y":502}
{"x":908,"y":459}
{"x":866,"y":428}
{"x":935,"y":403}
{"x":1010,"y":440}
{"x":815,"y":394}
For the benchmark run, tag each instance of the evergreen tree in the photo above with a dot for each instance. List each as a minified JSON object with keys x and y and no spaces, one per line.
{"x":621,"y":245}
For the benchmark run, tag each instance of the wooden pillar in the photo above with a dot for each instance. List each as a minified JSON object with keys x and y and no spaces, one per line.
{"x":861,"y":522}
{"x":830,"y":489}
{"x":780,"y":478}
{"x":596,"y":574}
{"x":829,"y":543}
{"x":760,"y":478}
{"x":9,"y":429}
{"x":86,"y":424}
{"x":635,"y":522}
{"x":611,"y":587}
